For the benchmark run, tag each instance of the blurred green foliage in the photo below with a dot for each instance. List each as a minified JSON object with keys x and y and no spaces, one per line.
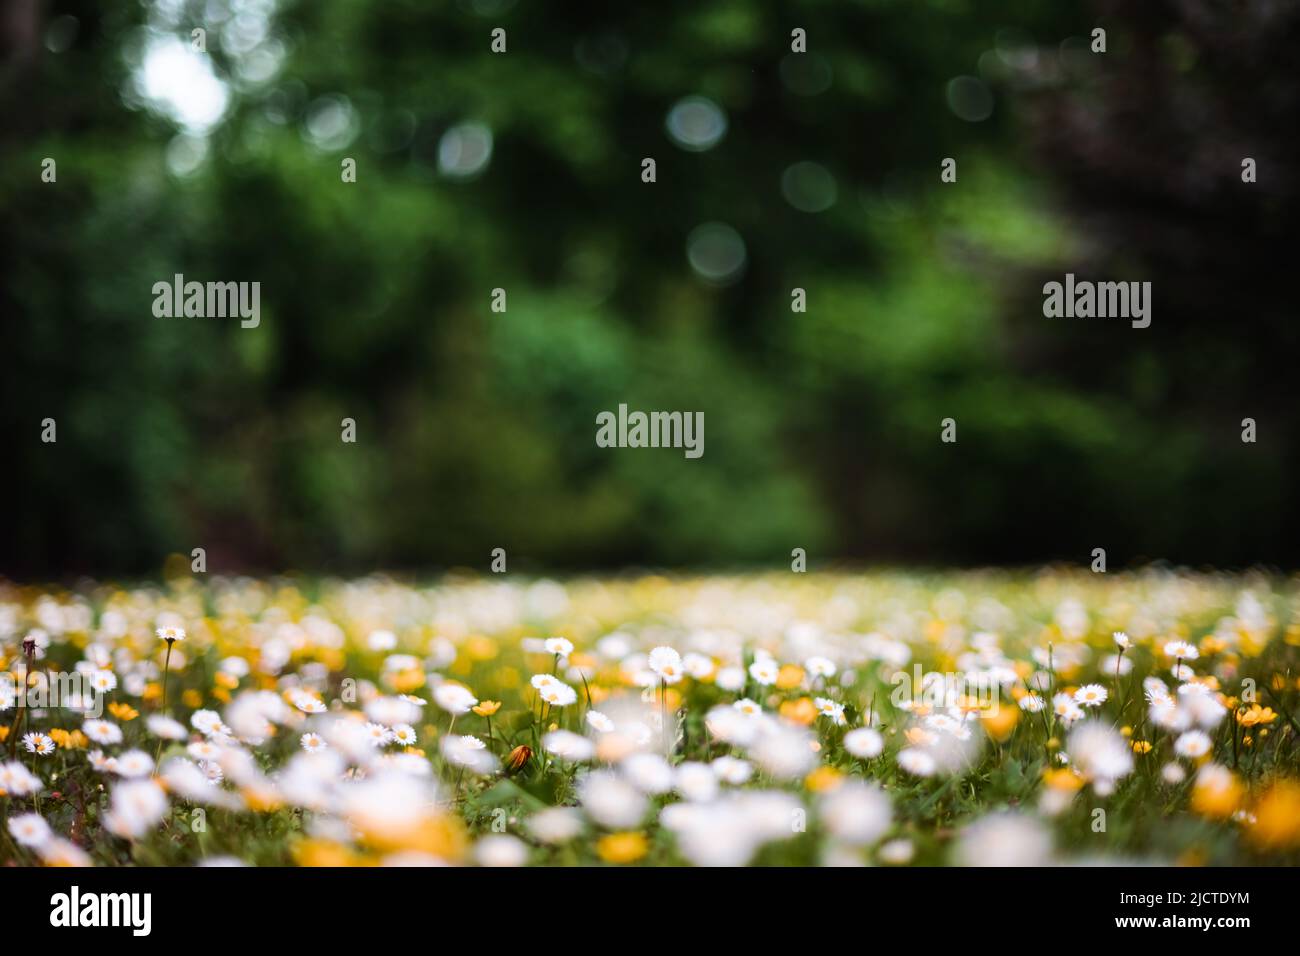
{"x":476,"y":429}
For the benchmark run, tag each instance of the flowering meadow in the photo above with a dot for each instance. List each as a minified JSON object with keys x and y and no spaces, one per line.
{"x":980,"y":718}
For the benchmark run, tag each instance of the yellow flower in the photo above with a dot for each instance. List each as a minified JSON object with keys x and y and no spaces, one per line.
{"x":261,"y":799}
{"x":1277,"y":816}
{"x":487,"y":708}
{"x":789,"y":676}
{"x":1254,"y":715}
{"x":823,"y":779}
{"x":801,"y":711}
{"x":1063,"y":779}
{"x":192,"y":699}
{"x":69,"y":739}
{"x":1217,"y":792}
{"x":918,"y":736}
{"x":1000,"y":721}
{"x":123,"y":711}
{"x":622,"y":847}
{"x":1141,"y":746}
{"x":1213,"y":645}
{"x":228,"y":681}
{"x":325,"y":853}
{"x":481,"y":648}
{"x":406,"y":681}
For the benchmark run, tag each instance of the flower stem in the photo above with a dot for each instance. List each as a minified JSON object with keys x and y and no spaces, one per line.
{"x":167,"y":662}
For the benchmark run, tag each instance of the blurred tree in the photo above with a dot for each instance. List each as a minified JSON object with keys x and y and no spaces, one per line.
{"x":520,"y":171}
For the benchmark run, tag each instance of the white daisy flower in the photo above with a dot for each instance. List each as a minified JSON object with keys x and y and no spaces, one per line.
{"x":136,"y":807}
{"x":666,"y":664}
{"x":404,"y":734}
{"x":162,"y":726}
{"x":820,"y":666}
{"x":558,"y":645}
{"x":100,"y":763}
{"x":649,"y":773}
{"x":1193,"y":744}
{"x":306,"y":702}
{"x":1100,"y":751}
{"x":501,"y":849}
{"x":916,"y":762}
{"x":555,"y":824}
{"x":730,"y":679}
{"x":855,"y":812}
{"x":695,"y":781}
{"x":133,"y":764}
{"x":1032,"y":703}
{"x":569,"y":746}
{"x":698,"y":666}
{"x":897,"y":852}
{"x":453,"y":698}
{"x":38,"y":744}
{"x":206,"y":721}
{"x":764,"y":671}
{"x":732,"y":770}
{"x":1182,"y":672}
{"x":16,"y":780}
{"x":378,"y":735}
{"x":1069,"y":713}
{"x":558,"y":694}
{"x":832,"y":709}
{"x":611,"y":801}
{"x":204,"y":750}
{"x":468,"y":752}
{"x":1004,"y":838}
{"x":30,"y":829}
{"x":102,"y":732}
{"x":864,"y":742}
{"x":1090,"y":695}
